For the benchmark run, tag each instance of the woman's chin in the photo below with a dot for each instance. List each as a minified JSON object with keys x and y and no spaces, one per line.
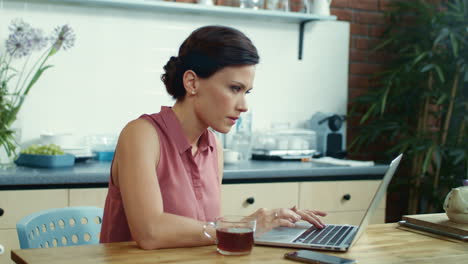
{"x":223,"y":129}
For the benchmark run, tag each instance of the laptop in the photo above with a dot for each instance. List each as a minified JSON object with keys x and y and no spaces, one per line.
{"x":332,"y":237}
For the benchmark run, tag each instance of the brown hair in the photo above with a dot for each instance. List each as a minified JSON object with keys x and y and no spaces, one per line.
{"x":206,"y":51}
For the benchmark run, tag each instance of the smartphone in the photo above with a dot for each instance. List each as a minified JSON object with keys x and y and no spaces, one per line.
{"x":309,"y":256}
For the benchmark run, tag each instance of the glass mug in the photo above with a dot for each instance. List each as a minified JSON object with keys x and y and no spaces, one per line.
{"x":235,"y":234}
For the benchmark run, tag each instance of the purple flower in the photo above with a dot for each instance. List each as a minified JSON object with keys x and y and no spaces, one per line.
{"x":64,"y":37}
{"x":18,"y":45}
{"x":37,"y":39}
{"x":19,"y":27}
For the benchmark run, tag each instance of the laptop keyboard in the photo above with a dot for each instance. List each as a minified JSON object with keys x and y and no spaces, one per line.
{"x":331,"y":235}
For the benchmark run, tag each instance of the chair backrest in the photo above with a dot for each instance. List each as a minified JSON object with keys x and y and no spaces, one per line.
{"x":69,"y":226}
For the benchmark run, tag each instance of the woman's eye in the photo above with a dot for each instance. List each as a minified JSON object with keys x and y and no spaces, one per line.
{"x":236,"y":88}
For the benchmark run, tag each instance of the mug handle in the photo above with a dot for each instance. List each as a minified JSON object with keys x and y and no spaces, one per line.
{"x":207,"y":234}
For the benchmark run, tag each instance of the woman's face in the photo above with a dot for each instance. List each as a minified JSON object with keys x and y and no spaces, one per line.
{"x":222,"y":98}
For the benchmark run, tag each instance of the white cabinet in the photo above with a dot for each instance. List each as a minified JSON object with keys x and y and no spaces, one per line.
{"x":16,"y":205}
{"x":88,"y":197}
{"x":345,"y":201}
{"x":244,"y":199}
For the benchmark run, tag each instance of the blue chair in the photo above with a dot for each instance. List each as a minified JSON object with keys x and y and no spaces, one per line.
{"x":69,"y":226}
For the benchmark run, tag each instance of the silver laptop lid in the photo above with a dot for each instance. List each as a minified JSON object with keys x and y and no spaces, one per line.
{"x":377,"y":198}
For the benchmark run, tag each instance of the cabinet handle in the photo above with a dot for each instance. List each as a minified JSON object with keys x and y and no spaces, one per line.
{"x":347,"y":197}
{"x":250,"y":200}
{"x":1,"y":211}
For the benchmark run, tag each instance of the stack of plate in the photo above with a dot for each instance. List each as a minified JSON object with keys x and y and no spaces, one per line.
{"x":70,"y":144}
{"x":80,"y":153}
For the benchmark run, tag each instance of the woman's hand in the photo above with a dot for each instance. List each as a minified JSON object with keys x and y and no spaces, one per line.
{"x":269,"y":219}
{"x":311,"y":216}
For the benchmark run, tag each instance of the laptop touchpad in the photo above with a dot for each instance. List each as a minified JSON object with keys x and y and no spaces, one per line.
{"x":281,"y":234}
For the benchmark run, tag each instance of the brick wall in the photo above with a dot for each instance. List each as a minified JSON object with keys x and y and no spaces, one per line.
{"x":367,"y":24}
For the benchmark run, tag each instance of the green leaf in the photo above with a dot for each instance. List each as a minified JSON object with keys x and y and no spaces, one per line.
{"x":427,"y":67}
{"x":443,"y":34}
{"x":368,"y":113}
{"x":382,"y":45}
{"x":441,"y":99}
{"x":454,"y":42}
{"x":384,"y":99}
{"x":440,"y":73}
{"x":419,"y":58}
{"x":459,"y":156}
{"x":36,"y":78}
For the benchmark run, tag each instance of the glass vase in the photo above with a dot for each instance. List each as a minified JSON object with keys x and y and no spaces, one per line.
{"x":8,"y":161}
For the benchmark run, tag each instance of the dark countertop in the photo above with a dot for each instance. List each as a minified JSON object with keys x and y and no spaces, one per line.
{"x":96,"y":174}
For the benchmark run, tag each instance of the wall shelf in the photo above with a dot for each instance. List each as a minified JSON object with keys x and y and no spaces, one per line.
{"x":223,"y":11}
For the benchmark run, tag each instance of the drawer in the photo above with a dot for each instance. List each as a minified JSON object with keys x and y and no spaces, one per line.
{"x":244,"y":199}
{"x":9,"y":240}
{"x":353,"y":217}
{"x":88,"y":197}
{"x":18,"y":204}
{"x":338,"y":195}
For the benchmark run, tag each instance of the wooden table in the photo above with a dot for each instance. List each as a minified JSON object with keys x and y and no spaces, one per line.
{"x":386,"y":243}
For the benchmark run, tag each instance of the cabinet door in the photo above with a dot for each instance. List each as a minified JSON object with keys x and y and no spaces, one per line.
{"x":17,"y":204}
{"x":88,"y":197}
{"x":338,"y":195}
{"x":9,"y":240}
{"x":244,"y":199}
{"x":344,"y":201}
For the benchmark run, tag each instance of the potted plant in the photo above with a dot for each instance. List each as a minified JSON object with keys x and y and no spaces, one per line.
{"x":20,"y":69}
{"x":420,"y":103}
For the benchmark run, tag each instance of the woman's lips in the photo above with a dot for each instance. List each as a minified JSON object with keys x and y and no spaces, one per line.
{"x":232,"y":119}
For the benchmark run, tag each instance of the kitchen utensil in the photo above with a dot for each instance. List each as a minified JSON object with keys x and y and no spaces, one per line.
{"x":45,"y":161}
{"x":284,"y":144}
{"x":319,"y":7}
{"x":456,"y":205}
{"x":331,"y":138}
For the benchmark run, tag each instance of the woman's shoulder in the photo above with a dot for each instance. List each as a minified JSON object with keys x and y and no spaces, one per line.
{"x":139,"y":128}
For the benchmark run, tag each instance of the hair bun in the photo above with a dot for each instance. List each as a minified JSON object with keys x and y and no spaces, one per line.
{"x":170,"y":74}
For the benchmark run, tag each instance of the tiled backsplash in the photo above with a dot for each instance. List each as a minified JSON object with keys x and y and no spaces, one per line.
{"x":112,"y":74}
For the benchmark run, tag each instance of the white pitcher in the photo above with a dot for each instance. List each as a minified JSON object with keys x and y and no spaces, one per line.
{"x":456,"y":205}
{"x":319,"y":7}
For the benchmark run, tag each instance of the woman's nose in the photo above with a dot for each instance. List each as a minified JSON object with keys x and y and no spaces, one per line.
{"x":242,"y":105}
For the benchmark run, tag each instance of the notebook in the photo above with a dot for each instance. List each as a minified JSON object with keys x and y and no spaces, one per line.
{"x":332,"y":237}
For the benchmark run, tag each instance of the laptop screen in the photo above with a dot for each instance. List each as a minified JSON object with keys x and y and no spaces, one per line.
{"x":377,"y":197}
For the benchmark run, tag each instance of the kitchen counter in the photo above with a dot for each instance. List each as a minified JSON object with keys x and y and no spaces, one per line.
{"x":96,"y":174}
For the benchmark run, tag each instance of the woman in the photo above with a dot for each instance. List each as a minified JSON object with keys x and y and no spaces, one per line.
{"x":167,"y":169}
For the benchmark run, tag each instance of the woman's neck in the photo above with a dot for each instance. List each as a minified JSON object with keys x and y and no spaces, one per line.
{"x":191,"y":125}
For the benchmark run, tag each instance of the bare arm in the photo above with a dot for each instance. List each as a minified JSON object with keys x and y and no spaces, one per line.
{"x":137,"y":155}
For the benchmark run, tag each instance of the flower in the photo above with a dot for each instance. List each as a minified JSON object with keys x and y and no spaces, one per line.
{"x":15,"y":84}
{"x":18,"y":45}
{"x":19,"y":27}
{"x":38,"y":40}
{"x":64,"y":37}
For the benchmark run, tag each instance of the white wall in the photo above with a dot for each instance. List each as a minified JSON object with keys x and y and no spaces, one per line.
{"x":112,"y":74}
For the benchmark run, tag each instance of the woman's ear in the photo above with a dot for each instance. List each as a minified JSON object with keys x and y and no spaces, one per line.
{"x":190,"y":81}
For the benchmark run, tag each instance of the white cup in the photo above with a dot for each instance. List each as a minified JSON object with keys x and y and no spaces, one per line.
{"x":231,"y":156}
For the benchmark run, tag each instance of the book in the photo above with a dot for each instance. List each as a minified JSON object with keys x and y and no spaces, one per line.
{"x":436,"y":223}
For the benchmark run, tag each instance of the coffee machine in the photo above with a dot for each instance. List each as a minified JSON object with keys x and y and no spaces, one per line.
{"x":330,"y":132}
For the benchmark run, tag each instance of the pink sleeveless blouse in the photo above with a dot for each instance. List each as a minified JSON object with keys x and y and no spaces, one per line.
{"x":189,"y":185}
